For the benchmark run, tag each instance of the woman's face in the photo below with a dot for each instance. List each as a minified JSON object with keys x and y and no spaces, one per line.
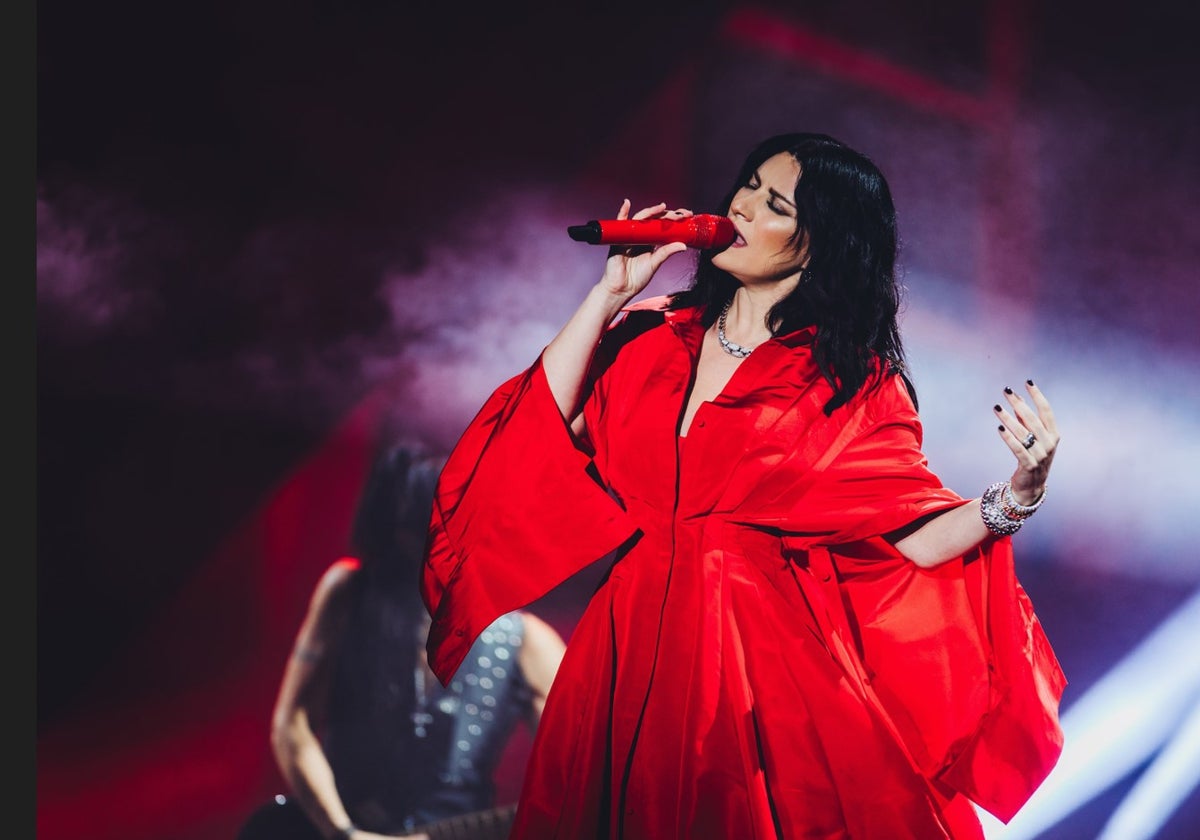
{"x":765,"y":218}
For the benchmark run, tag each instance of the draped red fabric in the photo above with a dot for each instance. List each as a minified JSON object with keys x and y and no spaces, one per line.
{"x":758,"y":661}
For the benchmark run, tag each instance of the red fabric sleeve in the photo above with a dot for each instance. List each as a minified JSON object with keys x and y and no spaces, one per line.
{"x":1018,"y":743}
{"x":955,"y":654}
{"x":872,"y":477}
{"x":958,"y":660}
{"x":517,"y":510}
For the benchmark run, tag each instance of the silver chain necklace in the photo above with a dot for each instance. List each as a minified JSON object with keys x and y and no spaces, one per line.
{"x":730,"y":347}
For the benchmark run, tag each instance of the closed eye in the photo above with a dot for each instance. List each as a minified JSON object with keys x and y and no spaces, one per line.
{"x":776,"y":200}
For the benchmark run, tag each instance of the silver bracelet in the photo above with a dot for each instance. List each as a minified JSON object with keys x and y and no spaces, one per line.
{"x":1014,"y":509}
{"x":991,"y":510}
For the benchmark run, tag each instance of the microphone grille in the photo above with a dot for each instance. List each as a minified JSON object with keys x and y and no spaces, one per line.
{"x":714,"y":231}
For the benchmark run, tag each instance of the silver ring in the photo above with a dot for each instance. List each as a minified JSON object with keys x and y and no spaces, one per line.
{"x":1029,"y":440}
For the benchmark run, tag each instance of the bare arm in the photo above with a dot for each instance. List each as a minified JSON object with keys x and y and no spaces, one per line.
{"x":626,"y":273}
{"x":954,"y":532}
{"x":539,"y":658}
{"x":302,"y":699}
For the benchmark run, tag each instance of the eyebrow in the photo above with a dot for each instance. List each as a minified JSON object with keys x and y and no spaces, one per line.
{"x":776,"y":193}
{"x":781,"y":196}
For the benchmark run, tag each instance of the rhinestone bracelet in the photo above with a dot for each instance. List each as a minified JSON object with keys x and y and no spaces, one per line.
{"x":991,"y":510}
{"x":1014,"y":509}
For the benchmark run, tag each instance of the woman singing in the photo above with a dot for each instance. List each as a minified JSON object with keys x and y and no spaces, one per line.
{"x":802,"y":633}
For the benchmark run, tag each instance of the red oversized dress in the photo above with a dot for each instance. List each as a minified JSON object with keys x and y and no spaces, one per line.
{"x":757,"y":662}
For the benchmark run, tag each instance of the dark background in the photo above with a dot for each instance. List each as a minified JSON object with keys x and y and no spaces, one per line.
{"x":263,"y":227}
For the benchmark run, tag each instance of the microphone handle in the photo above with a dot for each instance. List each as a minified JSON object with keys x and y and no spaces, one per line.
{"x":690,"y":231}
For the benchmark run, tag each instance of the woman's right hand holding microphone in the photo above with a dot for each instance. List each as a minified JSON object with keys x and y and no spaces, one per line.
{"x":630,"y":268}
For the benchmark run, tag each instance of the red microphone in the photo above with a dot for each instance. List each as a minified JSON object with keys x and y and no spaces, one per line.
{"x":699,"y":231}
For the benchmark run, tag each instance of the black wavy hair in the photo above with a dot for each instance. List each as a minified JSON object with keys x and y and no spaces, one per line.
{"x":392,"y":519}
{"x":368,"y":731}
{"x":848,"y":291}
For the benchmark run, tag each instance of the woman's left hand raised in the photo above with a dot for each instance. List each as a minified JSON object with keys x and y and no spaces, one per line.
{"x":1032,"y":435}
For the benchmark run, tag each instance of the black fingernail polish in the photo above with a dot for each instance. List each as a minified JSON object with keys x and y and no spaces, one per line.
{"x":1001,"y":428}
{"x":996,"y":408}
{"x":1007,"y":390}
{"x":1028,"y":381}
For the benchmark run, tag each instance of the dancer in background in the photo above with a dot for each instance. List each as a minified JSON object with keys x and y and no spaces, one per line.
{"x":369,"y":742}
{"x":803,"y":632}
